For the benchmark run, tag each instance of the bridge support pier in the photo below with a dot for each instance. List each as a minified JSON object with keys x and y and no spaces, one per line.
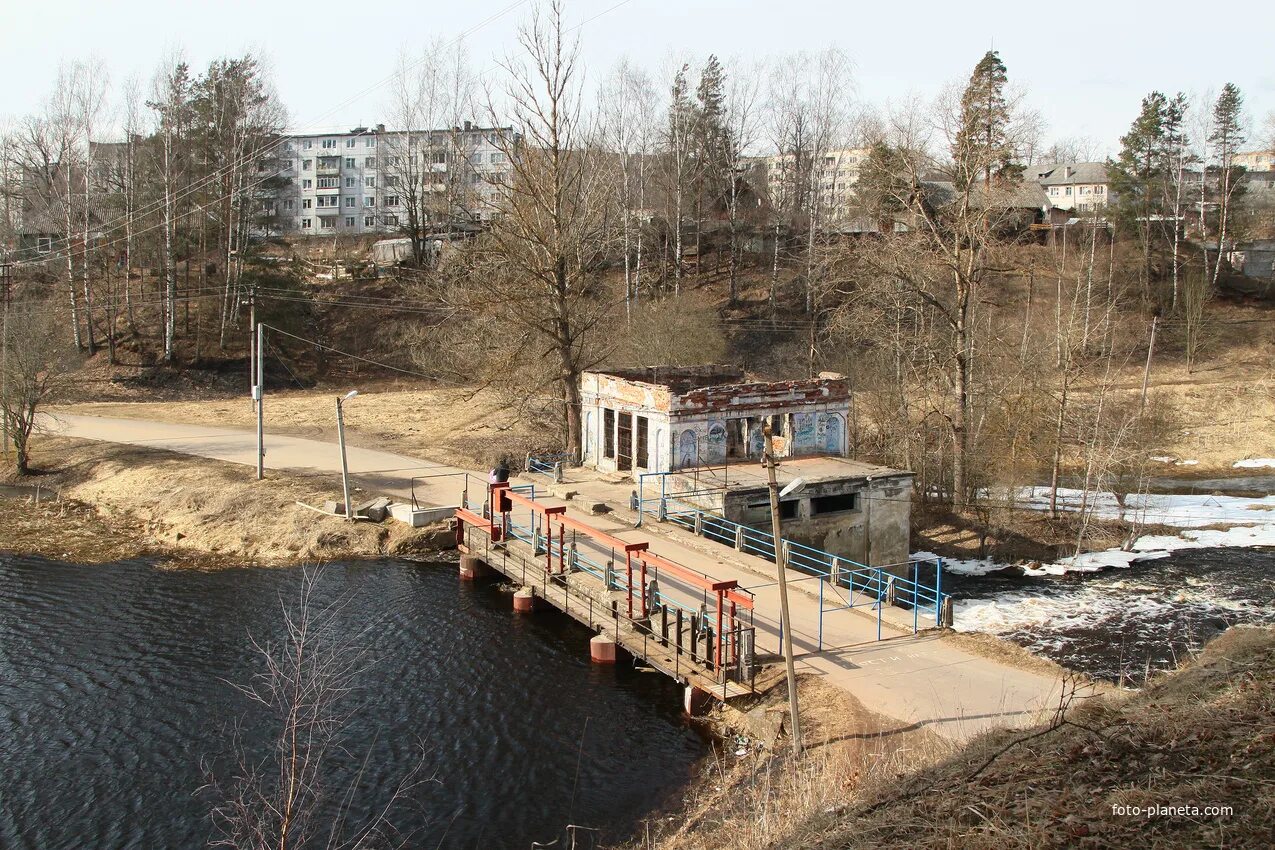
{"x":524,"y":601}
{"x":695,"y":701}
{"x":473,"y":568}
{"x":602,"y":650}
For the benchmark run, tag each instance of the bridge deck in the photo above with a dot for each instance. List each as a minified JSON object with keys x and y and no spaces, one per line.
{"x":582,"y":596}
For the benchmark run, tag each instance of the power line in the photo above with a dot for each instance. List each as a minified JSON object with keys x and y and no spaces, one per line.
{"x":276,"y":146}
{"x":283,"y":140}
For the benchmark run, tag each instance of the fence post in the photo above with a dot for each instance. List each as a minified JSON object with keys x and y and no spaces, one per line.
{"x":699,"y":524}
{"x":739,"y":538}
{"x":916,"y":596}
{"x":938,"y":592}
{"x":880,"y":603}
{"x":557,"y":472}
{"x":821,"y":616}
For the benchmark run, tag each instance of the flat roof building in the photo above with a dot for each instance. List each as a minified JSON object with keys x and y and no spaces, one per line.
{"x":702,"y":428}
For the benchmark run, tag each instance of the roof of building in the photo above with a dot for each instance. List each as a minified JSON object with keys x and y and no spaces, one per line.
{"x":748,"y":474}
{"x":1066,"y":173}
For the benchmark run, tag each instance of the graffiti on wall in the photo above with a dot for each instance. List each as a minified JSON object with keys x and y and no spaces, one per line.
{"x":687,"y":449}
{"x":715,"y":449}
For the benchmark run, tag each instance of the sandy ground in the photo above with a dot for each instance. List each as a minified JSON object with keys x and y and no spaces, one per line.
{"x":146,"y":501}
{"x":455,"y":426}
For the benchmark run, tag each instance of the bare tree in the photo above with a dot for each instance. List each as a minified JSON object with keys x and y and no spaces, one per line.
{"x":628,"y":132}
{"x":284,"y":800}
{"x":540,"y":266}
{"x":35,"y":364}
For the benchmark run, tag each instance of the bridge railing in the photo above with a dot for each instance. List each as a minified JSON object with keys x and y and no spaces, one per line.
{"x":907,"y":585}
{"x":551,"y":464}
{"x":719,"y":622}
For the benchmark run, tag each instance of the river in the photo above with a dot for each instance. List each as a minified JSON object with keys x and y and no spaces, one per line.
{"x":1122,"y":624}
{"x":117,"y":692}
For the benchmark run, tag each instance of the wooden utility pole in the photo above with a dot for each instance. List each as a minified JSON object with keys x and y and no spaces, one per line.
{"x":781,"y":567}
{"x":1146,"y":373}
{"x":5,"y":270}
{"x":259,"y":396}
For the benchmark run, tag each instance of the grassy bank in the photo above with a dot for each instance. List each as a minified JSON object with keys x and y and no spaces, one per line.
{"x":1200,"y":737}
{"x":116,"y":500}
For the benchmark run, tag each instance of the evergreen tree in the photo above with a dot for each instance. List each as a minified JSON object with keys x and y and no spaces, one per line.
{"x":1137,"y":176}
{"x":982,"y":148}
{"x":1226,"y":138}
{"x":712,"y":137}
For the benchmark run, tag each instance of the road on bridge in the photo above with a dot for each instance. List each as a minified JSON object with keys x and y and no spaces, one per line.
{"x":918,"y":680}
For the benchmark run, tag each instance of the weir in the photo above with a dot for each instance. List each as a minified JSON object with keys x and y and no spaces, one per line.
{"x":679,"y":621}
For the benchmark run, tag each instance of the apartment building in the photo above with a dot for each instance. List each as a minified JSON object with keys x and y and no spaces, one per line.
{"x":837,"y":171}
{"x":1072,"y":186}
{"x":1256,"y":160}
{"x":360,"y":181}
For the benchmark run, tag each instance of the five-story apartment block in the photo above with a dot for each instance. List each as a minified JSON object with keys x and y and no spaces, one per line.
{"x":365,"y":180}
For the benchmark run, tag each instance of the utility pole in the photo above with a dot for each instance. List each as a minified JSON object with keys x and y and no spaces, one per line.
{"x":1146,"y":373}
{"x":785,"y":623}
{"x":5,"y":279}
{"x":252,"y":348}
{"x":345,"y":467}
{"x":259,"y":396}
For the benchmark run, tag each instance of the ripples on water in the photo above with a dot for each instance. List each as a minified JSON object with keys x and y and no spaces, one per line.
{"x":1121,"y":624}
{"x":114,"y":689}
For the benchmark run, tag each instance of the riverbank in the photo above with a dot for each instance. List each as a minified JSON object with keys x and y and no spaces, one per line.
{"x":114,"y":500}
{"x":1196,"y":737}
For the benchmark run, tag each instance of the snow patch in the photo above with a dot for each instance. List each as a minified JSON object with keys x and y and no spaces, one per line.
{"x":1254,"y":463}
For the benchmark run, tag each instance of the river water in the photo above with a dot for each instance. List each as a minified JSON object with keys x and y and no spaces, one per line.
{"x":117,"y":693}
{"x":1122,"y":624}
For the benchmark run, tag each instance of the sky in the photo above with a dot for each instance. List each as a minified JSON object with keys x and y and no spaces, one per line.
{"x":1084,"y":68}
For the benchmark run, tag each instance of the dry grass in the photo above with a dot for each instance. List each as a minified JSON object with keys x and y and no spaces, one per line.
{"x":450,"y":425}
{"x":1201,"y":736}
{"x":751,"y":794}
{"x":189,"y":506}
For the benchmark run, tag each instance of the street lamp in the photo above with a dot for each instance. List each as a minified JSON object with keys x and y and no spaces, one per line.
{"x":345,"y":467}
{"x":785,"y":623}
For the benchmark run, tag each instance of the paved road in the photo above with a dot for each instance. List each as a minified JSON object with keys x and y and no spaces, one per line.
{"x":919,"y":680}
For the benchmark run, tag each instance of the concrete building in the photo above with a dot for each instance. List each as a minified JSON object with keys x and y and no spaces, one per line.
{"x":1256,"y":160}
{"x":838,"y":172}
{"x":702,"y":426}
{"x":665,"y":418}
{"x":1072,"y":186}
{"x":359,"y":181}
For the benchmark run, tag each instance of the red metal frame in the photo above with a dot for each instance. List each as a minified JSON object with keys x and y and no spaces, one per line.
{"x":501,"y":500}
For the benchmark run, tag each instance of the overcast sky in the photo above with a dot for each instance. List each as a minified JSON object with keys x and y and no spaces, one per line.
{"x":1085,"y":67}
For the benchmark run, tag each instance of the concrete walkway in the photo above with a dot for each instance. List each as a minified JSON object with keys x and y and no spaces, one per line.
{"x":919,"y":680}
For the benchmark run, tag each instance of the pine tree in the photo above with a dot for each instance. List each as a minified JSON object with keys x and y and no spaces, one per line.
{"x":1226,"y":138}
{"x":982,"y":147}
{"x":1137,"y":175}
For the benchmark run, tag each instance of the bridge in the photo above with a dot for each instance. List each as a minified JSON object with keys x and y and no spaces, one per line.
{"x":685,"y":623}
{"x":918,"y":679}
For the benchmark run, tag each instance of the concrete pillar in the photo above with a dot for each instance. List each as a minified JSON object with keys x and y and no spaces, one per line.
{"x":473,"y":568}
{"x":602,"y":650}
{"x":524,"y":601}
{"x":695,"y":701}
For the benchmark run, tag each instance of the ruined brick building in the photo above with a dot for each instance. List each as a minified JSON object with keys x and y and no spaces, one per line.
{"x":700,"y":428}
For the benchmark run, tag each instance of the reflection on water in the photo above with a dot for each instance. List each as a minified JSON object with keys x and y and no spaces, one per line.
{"x":114,"y":690}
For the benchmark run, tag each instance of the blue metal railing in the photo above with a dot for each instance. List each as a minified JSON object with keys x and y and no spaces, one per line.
{"x":873,"y":586}
{"x":550,"y":464}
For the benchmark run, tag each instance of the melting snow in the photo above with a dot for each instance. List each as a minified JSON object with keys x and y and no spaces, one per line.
{"x":1255,"y":463}
{"x":1251,"y":521}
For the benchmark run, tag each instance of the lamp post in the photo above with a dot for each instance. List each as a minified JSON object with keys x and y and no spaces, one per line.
{"x":781,"y":566}
{"x":345,"y":467}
